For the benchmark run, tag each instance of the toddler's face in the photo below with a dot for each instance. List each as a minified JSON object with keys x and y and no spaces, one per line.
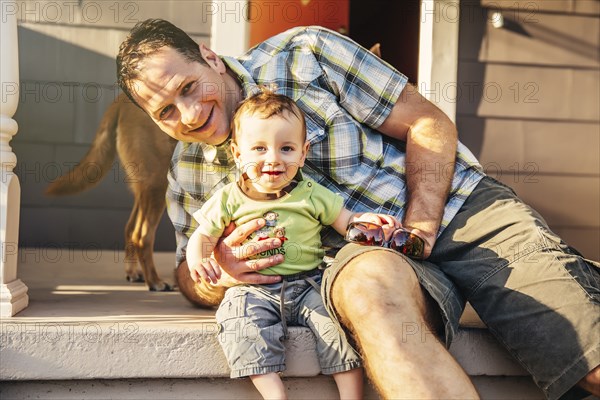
{"x":270,"y":151}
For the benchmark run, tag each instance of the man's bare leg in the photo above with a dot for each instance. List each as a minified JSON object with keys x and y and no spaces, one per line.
{"x":199,"y":294}
{"x":378,"y":297}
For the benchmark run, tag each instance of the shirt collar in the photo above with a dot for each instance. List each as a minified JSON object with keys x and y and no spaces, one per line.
{"x":218,"y":155}
{"x":254,"y":195}
{"x":248,"y":84}
{"x":221,"y":154}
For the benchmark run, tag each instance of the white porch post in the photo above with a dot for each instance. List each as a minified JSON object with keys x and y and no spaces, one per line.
{"x":13,"y":292}
{"x":438,"y":53}
{"x":230,"y":32}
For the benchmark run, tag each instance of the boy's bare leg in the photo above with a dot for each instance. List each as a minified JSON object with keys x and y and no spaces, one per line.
{"x":270,"y":386}
{"x":350,"y":384}
{"x":378,"y":297}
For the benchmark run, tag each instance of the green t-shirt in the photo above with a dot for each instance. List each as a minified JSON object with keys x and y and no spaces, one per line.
{"x":296,"y":218}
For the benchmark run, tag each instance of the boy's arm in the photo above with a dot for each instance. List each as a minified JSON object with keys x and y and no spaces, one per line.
{"x":201,"y":264}
{"x":341,"y":222}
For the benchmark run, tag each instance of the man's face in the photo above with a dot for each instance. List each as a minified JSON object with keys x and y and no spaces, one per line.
{"x":189,"y":101}
{"x":270,"y":151}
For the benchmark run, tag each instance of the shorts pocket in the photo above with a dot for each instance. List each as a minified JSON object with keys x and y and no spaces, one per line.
{"x":585,"y":272}
{"x":232,"y":306}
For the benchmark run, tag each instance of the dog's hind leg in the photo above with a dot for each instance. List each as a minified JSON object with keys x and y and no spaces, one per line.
{"x":132,"y":270}
{"x":148,"y":209}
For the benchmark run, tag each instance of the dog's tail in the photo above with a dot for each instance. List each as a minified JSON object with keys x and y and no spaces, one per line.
{"x":98,"y":160}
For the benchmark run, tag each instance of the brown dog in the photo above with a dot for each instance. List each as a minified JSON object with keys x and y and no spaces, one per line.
{"x":145,"y":152}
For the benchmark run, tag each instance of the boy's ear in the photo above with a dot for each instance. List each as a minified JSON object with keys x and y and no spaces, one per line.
{"x":235,"y":151}
{"x":304,"y":153}
{"x":212,"y":59}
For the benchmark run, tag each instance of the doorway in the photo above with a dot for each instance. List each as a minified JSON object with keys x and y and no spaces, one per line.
{"x":394,"y":24}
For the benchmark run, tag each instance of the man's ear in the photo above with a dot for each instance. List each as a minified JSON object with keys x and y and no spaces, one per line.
{"x":212,"y":59}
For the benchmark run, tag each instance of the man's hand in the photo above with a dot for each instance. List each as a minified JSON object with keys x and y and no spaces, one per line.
{"x":232,"y":256}
{"x":428,"y":238}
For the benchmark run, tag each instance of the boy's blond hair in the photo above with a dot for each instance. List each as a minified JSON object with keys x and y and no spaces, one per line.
{"x":266,"y":104}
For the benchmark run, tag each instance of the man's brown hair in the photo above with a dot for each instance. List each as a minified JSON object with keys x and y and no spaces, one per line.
{"x":145,"y":39}
{"x":266,"y":104}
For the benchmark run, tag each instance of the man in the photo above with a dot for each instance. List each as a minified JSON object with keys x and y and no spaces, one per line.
{"x":384,"y":148}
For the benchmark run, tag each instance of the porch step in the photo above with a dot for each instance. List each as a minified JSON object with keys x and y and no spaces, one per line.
{"x":121,"y":349}
{"x":315,"y":388}
{"x":85,"y":323}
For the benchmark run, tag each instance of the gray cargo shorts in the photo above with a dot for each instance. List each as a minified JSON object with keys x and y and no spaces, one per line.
{"x":252,"y":333}
{"x":537,"y":295}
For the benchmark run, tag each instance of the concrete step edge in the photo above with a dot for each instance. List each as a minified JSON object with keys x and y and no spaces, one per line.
{"x":101,"y":350}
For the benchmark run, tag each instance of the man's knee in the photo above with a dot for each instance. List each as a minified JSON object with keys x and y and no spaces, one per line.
{"x":200,"y":295}
{"x":375,"y":281}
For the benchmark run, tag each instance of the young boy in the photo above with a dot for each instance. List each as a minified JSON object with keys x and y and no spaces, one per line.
{"x":269,"y":144}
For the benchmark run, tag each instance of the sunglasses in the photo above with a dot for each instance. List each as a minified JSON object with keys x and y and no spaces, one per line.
{"x":403,"y":241}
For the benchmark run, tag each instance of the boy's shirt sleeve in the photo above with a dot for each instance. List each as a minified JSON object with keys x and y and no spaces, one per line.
{"x":327,"y":204}
{"x":213,"y":217}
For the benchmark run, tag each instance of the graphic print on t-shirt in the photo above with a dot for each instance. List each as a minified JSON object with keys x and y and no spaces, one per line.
{"x":271,"y":230}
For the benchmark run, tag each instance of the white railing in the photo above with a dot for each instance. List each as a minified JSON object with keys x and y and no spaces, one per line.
{"x":13,"y":292}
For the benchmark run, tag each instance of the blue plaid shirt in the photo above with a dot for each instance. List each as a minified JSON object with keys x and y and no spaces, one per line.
{"x":346,"y":93}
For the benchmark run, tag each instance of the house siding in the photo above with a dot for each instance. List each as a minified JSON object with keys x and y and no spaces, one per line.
{"x":67,"y":80}
{"x":529,"y":106}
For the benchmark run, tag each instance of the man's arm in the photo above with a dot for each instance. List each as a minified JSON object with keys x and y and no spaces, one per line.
{"x":431,"y":138}
{"x":431,"y":142}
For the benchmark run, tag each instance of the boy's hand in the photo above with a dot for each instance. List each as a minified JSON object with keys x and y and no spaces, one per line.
{"x":387,"y":222}
{"x":378,"y":219}
{"x":207,"y":270}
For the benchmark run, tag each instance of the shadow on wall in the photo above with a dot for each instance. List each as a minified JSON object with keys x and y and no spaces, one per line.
{"x":521,"y":86}
{"x":64,"y":91}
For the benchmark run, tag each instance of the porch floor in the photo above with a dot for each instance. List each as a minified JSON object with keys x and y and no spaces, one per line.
{"x":86,"y":323}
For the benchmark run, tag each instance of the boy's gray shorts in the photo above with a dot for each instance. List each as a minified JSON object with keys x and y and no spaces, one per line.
{"x":252,"y":335}
{"x":537,"y":295}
